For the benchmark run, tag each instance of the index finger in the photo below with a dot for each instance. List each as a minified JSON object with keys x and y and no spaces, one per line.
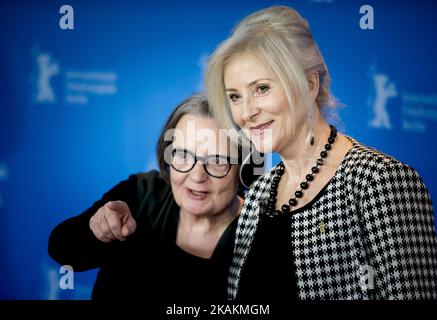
{"x":114,"y":223}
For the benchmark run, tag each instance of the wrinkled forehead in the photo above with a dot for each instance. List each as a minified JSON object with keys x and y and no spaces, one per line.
{"x":202,"y":136}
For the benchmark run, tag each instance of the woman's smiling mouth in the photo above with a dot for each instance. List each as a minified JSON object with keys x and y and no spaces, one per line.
{"x":259,"y":129}
{"x":197,"y":195}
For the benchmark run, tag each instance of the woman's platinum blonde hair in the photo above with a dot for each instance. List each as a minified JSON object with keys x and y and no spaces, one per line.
{"x":281,"y":38}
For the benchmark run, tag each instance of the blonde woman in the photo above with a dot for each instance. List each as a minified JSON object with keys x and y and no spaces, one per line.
{"x":335,"y":219}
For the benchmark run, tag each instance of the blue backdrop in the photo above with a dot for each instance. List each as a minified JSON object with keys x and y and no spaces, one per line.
{"x":82,"y":109}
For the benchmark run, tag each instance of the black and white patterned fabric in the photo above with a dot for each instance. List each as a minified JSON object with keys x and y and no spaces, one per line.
{"x":370,"y":235}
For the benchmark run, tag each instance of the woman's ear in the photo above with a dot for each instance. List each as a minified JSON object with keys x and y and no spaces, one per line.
{"x":313,"y":81}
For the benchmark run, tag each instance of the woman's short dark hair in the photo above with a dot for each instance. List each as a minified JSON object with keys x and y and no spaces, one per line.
{"x":197,"y":105}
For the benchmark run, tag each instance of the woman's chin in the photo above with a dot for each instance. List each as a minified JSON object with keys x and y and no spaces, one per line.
{"x":196,"y":209}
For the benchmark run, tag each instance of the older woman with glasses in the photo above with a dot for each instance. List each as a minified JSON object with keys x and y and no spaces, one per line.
{"x":168,"y":235}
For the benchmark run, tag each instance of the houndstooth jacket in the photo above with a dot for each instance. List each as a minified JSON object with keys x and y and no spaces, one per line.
{"x":370,"y":235}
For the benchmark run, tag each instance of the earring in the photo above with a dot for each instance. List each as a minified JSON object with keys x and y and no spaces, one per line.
{"x":312,"y":141}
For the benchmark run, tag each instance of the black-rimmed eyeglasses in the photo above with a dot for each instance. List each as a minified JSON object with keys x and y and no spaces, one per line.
{"x":217,"y":166}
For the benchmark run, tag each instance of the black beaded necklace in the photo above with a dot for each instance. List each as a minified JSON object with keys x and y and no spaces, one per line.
{"x":286,"y":208}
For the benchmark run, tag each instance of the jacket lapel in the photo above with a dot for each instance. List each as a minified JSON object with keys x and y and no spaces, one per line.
{"x":254,"y":204}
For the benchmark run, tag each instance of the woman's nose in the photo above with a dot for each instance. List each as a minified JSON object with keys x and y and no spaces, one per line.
{"x":198,"y":173}
{"x":249,"y":110}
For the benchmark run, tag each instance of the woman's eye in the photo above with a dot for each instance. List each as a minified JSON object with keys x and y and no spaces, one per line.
{"x":263,"y":88}
{"x":217,"y":161}
{"x":234,"y":97}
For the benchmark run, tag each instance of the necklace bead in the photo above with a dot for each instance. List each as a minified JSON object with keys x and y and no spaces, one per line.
{"x":292,"y":202}
{"x":285,"y":207}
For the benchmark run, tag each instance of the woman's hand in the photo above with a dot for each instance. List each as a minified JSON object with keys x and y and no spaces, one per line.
{"x":113,"y":221}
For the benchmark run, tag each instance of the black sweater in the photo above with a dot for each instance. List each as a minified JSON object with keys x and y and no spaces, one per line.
{"x":148,"y":264}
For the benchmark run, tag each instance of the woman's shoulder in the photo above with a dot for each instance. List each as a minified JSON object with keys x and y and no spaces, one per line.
{"x":151,"y":180}
{"x":151,"y":185}
{"x":367,"y":165}
{"x":150,"y":176}
{"x":363,"y":158}
{"x":154,"y":206}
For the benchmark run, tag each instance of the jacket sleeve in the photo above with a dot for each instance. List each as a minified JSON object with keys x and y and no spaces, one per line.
{"x":399,"y":233}
{"x":73,"y":243}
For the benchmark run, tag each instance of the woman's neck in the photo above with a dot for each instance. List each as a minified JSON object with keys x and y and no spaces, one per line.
{"x":199,"y":235}
{"x":210,"y":223}
{"x":299,"y":155}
